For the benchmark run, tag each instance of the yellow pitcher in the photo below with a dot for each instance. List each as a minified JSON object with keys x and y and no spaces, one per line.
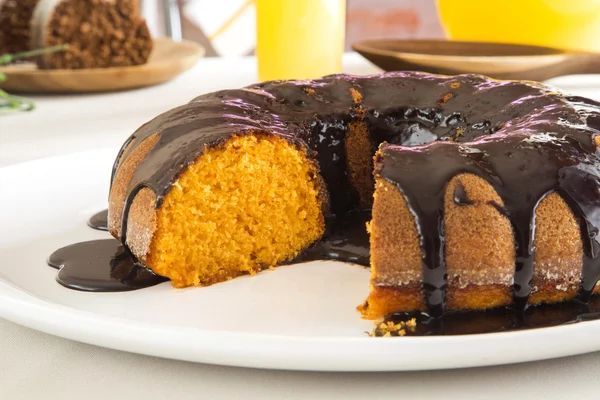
{"x":569,"y":24}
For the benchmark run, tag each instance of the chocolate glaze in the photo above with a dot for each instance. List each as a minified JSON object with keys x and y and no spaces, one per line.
{"x":460,"y":195}
{"x":345,"y":239}
{"x":99,"y":221}
{"x":525,"y":139}
{"x":100,"y":266}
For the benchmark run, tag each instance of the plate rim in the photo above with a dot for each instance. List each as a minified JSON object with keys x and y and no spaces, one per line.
{"x":301,"y":354}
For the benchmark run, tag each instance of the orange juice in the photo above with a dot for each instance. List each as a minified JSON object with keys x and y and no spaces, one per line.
{"x":299,"y":39}
{"x":569,"y":24}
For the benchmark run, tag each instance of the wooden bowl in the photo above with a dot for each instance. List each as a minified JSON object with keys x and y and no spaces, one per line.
{"x":497,"y":60}
{"x":168,"y":59}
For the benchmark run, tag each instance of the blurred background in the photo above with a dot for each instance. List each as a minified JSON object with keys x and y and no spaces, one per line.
{"x":226,"y":27}
{"x":304,"y":39}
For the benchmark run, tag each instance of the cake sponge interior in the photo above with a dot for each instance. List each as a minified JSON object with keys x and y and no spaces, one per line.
{"x":249,"y":204}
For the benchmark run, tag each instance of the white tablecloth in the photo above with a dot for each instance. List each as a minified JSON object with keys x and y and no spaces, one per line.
{"x":34,"y":365}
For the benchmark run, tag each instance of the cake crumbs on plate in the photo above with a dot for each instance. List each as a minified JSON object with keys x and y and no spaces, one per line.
{"x":392,"y":328}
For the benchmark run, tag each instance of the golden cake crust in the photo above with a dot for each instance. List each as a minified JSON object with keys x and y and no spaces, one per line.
{"x":142,"y":219}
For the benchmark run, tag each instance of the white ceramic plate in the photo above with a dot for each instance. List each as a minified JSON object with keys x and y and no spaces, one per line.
{"x":297,"y":317}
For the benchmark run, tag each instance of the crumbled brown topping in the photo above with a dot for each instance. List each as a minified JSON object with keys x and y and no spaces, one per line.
{"x":411,"y":324}
{"x":360,"y":111}
{"x":457,"y":134}
{"x":454,"y":85}
{"x":309,"y":91}
{"x":356,"y":95}
{"x":597,"y":141}
{"x":392,"y":328}
{"x":445,"y":98}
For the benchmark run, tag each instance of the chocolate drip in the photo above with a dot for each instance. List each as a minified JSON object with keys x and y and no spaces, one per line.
{"x":99,"y":221}
{"x":427,"y":211}
{"x":327,"y":139}
{"x":346,"y":239}
{"x":125,"y":218}
{"x":118,"y":159}
{"x":584,"y":197}
{"x":100,"y":266}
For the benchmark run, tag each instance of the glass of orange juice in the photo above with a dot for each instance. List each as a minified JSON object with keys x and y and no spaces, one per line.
{"x":568,"y":24}
{"x":299,"y":39}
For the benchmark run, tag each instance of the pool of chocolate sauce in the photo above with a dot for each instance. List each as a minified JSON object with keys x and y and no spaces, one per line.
{"x":346,"y":239}
{"x":100,"y":266}
{"x":99,"y":221}
{"x":500,"y":319}
{"x":106,"y":266}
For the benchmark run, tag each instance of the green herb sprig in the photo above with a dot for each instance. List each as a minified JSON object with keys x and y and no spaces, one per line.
{"x":10,"y":103}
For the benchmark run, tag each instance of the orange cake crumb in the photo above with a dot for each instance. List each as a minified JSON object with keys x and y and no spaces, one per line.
{"x":223,"y":219}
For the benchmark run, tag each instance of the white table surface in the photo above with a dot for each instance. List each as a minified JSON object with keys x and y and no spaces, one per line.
{"x":35,"y":365}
